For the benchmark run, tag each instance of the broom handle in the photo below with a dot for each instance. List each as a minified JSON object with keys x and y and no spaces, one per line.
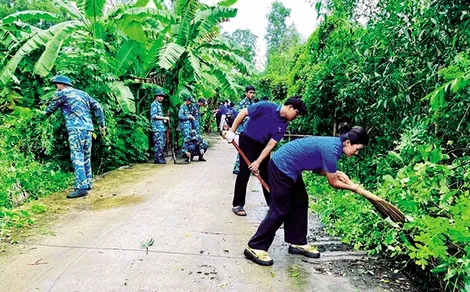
{"x":242,"y":154}
{"x":365,"y":193}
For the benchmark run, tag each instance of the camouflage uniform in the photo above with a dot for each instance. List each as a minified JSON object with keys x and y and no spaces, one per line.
{"x":185,"y":124}
{"x":196,"y":145}
{"x":196,"y":113}
{"x":76,"y":106}
{"x":158,"y":131}
{"x":246,"y":102}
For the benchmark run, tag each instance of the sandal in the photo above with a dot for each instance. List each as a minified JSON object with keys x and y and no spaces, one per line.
{"x":258,"y":256}
{"x":305,"y":250}
{"x":239,"y":211}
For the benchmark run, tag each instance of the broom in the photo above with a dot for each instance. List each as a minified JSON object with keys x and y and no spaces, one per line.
{"x":384,"y":208}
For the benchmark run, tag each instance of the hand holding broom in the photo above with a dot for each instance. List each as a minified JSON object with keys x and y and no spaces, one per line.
{"x":384,"y":208}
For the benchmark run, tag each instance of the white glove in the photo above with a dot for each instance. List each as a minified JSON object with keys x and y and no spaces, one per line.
{"x":229,"y":136}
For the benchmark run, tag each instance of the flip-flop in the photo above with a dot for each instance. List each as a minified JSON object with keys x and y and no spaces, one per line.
{"x":236,"y":210}
{"x":258,"y":256}
{"x":308,"y":250}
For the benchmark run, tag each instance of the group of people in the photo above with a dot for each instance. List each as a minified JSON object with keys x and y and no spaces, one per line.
{"x":189,"y":118}
{"x":258,"y":127}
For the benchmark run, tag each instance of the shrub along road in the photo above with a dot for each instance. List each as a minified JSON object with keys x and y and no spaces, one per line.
{"x":98,"y":244}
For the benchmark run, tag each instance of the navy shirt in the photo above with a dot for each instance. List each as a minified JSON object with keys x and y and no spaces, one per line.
{"x":310,"y":153}
{"x":265,"y":122}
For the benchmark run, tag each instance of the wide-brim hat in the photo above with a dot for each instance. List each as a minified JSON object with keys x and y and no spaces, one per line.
{"x":159,"y":92}
{"x":62,"y":80}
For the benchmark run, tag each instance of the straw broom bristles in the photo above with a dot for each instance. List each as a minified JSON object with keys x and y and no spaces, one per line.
{"x":384,"y":208}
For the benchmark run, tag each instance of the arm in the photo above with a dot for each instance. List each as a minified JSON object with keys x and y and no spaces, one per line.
{"x":154,"y":113}
{"x":239,"y":119}
{"x":54,"y":104}
{"x":336,"y":181}
{"x":97,"y":111}
{"x":265,"y":153}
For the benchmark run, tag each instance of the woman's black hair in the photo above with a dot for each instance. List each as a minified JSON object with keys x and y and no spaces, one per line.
{"x":356,"y":134}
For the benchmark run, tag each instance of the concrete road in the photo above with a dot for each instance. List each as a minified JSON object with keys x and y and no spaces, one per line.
{"x":96,"y":244}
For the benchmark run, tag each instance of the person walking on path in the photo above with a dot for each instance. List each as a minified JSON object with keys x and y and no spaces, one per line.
{"x":185,"y":124}
{"x":76,"y":106}
{"x":159,"y":126}
{"x":250,"y":92}
{"x":266,"y":126}
{"x":289,"y":198}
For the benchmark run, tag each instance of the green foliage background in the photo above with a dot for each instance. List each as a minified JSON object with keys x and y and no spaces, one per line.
{"x":401,"y":70}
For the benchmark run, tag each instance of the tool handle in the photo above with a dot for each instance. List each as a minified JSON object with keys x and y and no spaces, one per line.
{"x":242,"y":154}
{"x":365,"y":193}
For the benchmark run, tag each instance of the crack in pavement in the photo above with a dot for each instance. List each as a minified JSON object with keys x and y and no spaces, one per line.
{"x":133,"y":250}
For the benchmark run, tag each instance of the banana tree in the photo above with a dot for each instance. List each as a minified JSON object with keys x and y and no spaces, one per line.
{"x":194,"y":50}
{"x":123,"y":31}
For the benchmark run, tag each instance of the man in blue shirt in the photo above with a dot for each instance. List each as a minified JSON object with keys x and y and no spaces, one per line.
{"x":265,"y":127}
{"x":289,"y":198}
{"x":76,"y":106}
{"x":159,"y":126}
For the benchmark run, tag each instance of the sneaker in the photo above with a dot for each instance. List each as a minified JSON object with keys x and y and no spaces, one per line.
{"x":78,"y":193}
{"x":258,"y":256}
{"x":201,"y":158}
{"x":160,"y":161}
{"x":305,"y":250}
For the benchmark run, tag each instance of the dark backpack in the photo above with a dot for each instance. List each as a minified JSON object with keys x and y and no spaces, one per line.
{"x":230,"y":117}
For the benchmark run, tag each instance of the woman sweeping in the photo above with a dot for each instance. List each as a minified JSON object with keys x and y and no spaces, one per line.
{"x":289,"y":198}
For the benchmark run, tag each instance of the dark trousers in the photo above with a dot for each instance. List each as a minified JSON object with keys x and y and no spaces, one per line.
{"x":252,"y":150}
{"x":289,"y":205}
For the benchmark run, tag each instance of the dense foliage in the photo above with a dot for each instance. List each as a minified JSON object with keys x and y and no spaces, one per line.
{"x":118,"y":53}
{"x":400,"y":69}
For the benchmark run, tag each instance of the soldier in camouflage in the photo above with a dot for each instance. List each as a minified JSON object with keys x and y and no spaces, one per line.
{"x":196,"y":145}
{"x":159,"y":126}
{"x":76,"y":106}
{"x":246,"y":102}
{"x":185,"y":123}
{"x":196,"y":113}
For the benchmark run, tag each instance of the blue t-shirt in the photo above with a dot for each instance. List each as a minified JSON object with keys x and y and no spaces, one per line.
{"x":265,"y":122}
{"x":310,"y":153}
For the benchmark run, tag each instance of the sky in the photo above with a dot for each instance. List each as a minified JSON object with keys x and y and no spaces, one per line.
{"x":252,"y":14}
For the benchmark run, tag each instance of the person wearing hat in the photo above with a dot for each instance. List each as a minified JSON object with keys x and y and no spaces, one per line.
{"x":76,"y":106}
{"x":159,"y":126}
{"x":185,"y":123}
{"x":196,"y":113}
{"x":196,"y":145}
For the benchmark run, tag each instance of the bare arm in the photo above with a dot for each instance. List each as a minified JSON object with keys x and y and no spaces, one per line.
{"x":265,"y":153}
{"x":239,"y":119}
{"x":336,"y":181}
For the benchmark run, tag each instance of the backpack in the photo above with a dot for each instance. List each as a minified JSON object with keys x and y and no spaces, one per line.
{"x":230,"y":117}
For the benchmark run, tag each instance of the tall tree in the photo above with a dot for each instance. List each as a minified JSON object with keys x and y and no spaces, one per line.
{"x":280,"y":36}
{"x":246,"y":39}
